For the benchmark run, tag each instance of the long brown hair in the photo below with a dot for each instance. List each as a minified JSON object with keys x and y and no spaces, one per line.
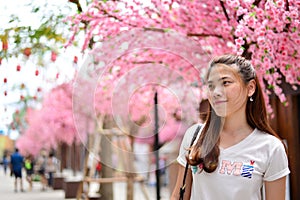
{"x":206,"y":150}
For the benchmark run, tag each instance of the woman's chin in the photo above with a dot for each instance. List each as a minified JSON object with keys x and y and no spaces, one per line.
{"x":221,"y":113}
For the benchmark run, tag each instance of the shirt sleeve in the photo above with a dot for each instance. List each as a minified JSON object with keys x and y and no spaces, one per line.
{"x":185,"y":144}
{"x":278,"y":164}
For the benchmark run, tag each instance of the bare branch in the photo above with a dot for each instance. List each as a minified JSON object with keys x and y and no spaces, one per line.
{"x":203,"y":35}
{"x":76,"y":2}
{"x":154,"y":29}
{"x":224,"y":10}
{"x":256,"y":2}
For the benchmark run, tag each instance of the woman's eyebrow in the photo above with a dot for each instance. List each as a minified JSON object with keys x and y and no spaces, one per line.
{"x":220,"y":79}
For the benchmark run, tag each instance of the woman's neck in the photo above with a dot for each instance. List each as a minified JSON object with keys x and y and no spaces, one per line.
{"x":235,"y":129}
{"x":236,"y":123}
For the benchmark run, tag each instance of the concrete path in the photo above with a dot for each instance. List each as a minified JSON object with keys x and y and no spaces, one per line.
{"x":7,"y":191}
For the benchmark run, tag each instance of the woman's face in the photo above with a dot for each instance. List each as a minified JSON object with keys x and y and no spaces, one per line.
{"x":227,"y":93}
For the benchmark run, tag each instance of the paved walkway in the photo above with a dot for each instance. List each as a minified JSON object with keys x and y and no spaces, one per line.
{"x":7,"y":191}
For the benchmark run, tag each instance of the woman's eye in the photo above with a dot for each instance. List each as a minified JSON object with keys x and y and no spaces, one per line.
{"x":210,"y":87}
{"x":226,"y":82}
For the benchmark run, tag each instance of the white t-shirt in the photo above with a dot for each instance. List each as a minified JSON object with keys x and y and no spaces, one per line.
{"x":241,"y":170}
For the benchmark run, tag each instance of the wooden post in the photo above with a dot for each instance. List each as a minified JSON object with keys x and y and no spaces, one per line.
{"x":108,"y":177}
{"x":130,"y":189}
{"x":127,"y":162}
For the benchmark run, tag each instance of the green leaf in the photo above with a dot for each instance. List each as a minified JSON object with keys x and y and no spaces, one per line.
{"x":35,"y":10}
{"x":252,"y":14}
{"x":270,"y":71}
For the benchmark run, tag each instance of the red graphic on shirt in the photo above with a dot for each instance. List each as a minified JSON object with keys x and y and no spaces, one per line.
{"x":231,"y":168}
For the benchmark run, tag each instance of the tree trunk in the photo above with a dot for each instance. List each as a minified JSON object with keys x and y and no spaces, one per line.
{"x":286,"y":124}
{"x":63,"y":159}
{"x":106,"y":190}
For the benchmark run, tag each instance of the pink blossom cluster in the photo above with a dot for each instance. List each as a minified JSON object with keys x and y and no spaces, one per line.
{"x":267,"y":32}
{"x":271,"y":29}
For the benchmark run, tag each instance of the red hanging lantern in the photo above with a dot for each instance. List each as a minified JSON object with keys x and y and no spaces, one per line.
{"x":18,"y":68}
{"x":27,"y":52}
{"x":36,"y":72}
{"x":53,"y":56}
{"x":5,"y":80}
{"x":75,"y":59}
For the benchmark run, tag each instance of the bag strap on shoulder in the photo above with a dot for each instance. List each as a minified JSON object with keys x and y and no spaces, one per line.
{"x":182,"y":188}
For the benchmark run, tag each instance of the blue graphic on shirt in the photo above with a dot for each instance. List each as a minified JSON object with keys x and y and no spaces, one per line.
{"x":194,"y":169}
{"x":247,"y":171}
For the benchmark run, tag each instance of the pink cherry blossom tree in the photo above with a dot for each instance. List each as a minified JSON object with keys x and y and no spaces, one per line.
{"x":125,"y":90}
{"x":53,"y":124}
{"x":267,"y":32}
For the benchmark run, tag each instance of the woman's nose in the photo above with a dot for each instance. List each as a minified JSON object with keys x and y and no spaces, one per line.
{"x":218,"y":90}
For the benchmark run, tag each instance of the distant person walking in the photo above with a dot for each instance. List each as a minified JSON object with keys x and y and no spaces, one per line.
{"x":51,"y":168}
{"x":41,"y":169}
{"x":16,"y":162}
{"x":6,"y":161}
{"x":29,"y":167}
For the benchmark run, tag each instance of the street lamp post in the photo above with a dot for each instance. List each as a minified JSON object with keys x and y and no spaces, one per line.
{"x":156,"y":148}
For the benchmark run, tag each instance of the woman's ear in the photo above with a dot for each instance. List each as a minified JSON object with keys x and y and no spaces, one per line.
{"x":251,"y":87}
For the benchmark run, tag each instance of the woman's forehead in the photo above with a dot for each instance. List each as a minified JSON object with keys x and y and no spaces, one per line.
{"x":221,"y":70}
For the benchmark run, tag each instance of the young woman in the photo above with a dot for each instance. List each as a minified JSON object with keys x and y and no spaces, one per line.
{"x":236,"y":152}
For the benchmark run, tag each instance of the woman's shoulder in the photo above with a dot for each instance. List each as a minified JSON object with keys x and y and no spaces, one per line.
{"x":268,"y":139}
{"x":191,"y":131}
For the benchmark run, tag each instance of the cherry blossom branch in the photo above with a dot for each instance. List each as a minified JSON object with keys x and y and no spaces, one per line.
{"x":105,"y":12}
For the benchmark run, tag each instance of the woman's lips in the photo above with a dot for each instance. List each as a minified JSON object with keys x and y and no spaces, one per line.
{"x":219,"y":102}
